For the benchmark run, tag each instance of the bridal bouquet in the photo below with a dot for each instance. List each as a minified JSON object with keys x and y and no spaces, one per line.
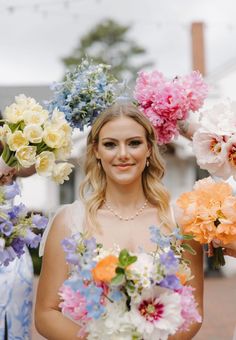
{"x":214,"y":143}
{"x":16,"y":226}
{"x":166,"y":102}
{"x":30,"y":137}
{"x":85,"y":92}
{"x":208,"y":213}
{"x":115,"y":294}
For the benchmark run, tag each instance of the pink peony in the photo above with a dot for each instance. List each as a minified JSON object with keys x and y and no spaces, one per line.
{"x":165,"y":102}
{"x":73,"y":304}
{"x":196,"y":90}
{"x":189,"y":311}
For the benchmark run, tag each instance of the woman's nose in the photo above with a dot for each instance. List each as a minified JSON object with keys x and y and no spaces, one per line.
{"x":123,"y":152}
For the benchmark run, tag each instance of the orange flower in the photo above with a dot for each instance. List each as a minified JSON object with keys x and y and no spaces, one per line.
{"x":182,"y":277}
{"x":208,"y":211}
{"x":105,"y":269}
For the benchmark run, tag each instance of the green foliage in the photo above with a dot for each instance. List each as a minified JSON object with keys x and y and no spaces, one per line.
{"x":108,"y":43}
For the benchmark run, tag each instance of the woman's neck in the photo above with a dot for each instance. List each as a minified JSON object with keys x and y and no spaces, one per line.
{"x":125,"y":197}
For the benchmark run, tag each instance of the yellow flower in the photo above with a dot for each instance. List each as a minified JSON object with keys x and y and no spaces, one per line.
{"x":52,"y":137}
{"x":36,"y":115}
{"x":13,"y":113}
{"x":61,"y":172}
{"x":26,"y":155}
{"x":44,"y":164}
{"x":16,"y":140}
{"x":63,"y":153}
{"x":34,"y":133}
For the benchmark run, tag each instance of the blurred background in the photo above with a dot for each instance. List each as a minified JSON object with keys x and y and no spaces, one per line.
{"x":41,"y":39}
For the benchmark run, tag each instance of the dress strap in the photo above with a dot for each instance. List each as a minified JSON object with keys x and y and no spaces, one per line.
{"x":75,"y":214}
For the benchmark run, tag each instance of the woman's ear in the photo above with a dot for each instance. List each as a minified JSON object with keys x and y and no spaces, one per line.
{"x":95,"y":150}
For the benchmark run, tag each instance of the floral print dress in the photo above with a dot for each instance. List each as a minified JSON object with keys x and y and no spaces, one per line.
{"x":16,"y":285}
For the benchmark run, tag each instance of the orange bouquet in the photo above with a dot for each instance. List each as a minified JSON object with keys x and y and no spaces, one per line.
{"x":209,"y":213}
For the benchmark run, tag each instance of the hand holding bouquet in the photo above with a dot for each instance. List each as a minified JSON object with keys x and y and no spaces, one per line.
{"x":209,"y":213}
{"x":16,"y":227}
{"x":115,"y":294}
{"x":166,"y":102}
{"x":30,"y":137}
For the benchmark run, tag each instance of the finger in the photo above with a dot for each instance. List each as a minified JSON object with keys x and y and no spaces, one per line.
{"x":216,"y":243}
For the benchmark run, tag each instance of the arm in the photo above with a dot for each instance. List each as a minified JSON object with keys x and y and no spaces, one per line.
{"x":197,"y":282}
{"x":49,"y":320}
{"x":187,"y":128}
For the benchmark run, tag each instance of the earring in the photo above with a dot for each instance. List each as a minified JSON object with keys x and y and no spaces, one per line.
{"x":147,"y":163}
{"x":99,"y":164}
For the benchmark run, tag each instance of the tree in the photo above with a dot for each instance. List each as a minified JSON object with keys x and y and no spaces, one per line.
{"x":108,"y":43}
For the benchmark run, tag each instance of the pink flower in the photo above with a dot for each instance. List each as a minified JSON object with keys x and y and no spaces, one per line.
{"x":165,"y":101}
{"x":211,"y":153}
{"x":196,"y":90}
{"x":73,"y":304}
{"x":189,"y":308}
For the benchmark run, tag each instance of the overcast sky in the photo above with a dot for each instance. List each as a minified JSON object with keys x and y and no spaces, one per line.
{"x":35,"y":34}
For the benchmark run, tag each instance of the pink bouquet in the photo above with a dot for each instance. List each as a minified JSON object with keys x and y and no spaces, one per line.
{"x":165,"y":102}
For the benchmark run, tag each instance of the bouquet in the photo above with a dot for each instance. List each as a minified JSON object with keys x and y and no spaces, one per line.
{"x":214,"y":143}
{"x":30,"y":137}
{"x":86,"y":91}
{"x":166,"y":102}
{"x":115,"y":294}
{"x":209,"y":213}
{"x":16,"y":226}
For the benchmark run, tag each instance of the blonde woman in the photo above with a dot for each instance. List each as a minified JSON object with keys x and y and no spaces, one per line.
{"x":121,"y":196}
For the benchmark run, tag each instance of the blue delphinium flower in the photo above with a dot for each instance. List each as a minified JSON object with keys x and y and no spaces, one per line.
{"x":177,"y":234}
{"x":171,"y":282}
{"x":158,"y":238}
{"x":32,"y":239}
{"x":85,"y":92}
{"x":11,"y":191}
{"x":18,"y":246}
{"x":39,"y":221}
{"x":95,"y":310}
{"x":6,"y":228}
{"x":169,"y":261}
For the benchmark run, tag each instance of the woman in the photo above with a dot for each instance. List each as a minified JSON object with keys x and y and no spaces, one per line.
{"x":16,"y":285}
{"x":122,"y":196}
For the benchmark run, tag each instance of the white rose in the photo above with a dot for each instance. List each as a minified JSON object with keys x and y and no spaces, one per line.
{"x":57,"y":116}
{"x":44,"y":164}
{"x":63,"y":153}
{"x":61,"y":172}
{"x":34,"y":133}
{"x":52,"y":137}
{"x":4,"y":131}
{"x":16,"y":140}
{"x":26,"y":155}
{"x":24,"y":101}
{"x":36,"y":115}
{"x":13,"y":113}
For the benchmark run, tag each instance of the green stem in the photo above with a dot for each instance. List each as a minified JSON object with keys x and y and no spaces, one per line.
{"x":218,"y":258}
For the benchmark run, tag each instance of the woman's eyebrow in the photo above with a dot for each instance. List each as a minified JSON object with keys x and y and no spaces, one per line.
{"x":114,"y":139}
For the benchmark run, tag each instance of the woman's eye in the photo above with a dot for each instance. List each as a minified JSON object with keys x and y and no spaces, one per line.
{"x":109,"y":145}
{"x":135,"y":143}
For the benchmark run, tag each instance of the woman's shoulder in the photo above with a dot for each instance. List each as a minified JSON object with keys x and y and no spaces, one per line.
{"x":67,"y":220}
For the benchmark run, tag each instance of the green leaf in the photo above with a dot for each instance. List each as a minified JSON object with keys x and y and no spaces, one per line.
{"x":131,"y":260}
{"x":123,"y":258}
{"x":120,"y":270}
{"x":188,"y":237}
{"x":188,"y":248}
{"x":118,"y":280}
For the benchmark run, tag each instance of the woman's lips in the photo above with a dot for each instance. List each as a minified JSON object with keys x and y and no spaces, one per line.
{"x":123,"y":166}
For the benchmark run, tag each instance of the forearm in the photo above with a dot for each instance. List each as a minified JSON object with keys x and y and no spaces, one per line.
{"x":188,"y":127}
{"x":187,"y":335}
{"x":53,"y":325}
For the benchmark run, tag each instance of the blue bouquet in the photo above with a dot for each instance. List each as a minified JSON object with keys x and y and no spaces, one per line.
{"x":17,"y":226}
{"x":86,"y":91}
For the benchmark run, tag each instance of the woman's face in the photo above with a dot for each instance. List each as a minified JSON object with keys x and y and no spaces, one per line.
{"x":123,"y":150}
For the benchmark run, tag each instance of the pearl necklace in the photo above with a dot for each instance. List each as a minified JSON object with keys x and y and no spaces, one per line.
{"x":115,"y":213}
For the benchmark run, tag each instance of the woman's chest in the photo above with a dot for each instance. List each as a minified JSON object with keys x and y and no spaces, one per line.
{"x":131,"y":234}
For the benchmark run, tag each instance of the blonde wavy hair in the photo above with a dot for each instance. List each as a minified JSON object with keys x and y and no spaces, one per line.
{"x":93,"y":187}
